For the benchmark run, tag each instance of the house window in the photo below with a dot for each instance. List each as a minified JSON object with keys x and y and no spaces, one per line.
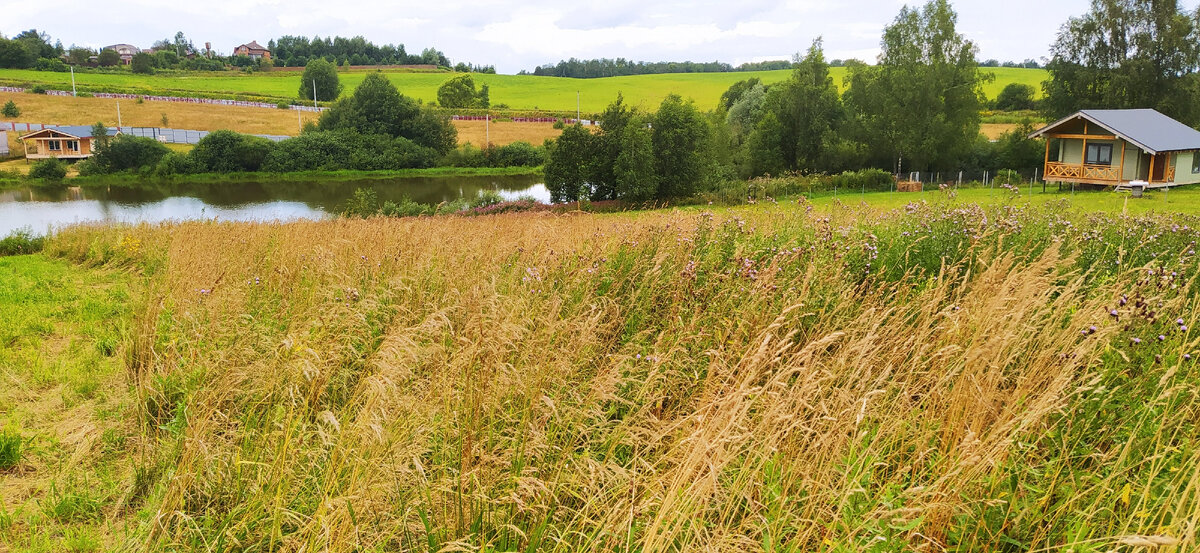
{"x":1099,"y":154}
{"x":73,"y":145}
{"x":1196,"y":162}
{"x":54,"y":145}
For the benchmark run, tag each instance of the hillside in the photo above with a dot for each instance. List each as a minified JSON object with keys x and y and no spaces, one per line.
{"x":522,"y":92}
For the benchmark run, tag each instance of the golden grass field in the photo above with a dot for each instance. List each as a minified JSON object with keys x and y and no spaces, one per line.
{"x":765,"y":378}
{"x":37,"y":108}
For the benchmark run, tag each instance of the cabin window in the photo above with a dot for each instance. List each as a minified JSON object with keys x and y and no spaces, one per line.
{"x":1196,"y":162}
{"x":73,"y":145}
{"x":54,"y":145}
{"x":1099,"y":154}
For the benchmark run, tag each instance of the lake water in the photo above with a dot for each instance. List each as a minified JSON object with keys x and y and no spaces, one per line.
{"x":42,"y":210}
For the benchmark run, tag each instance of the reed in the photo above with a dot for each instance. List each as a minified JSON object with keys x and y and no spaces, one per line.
{"x":772,"y":378}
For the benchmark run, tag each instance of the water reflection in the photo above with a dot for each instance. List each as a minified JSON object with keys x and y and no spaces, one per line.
{"x":44,"y":209}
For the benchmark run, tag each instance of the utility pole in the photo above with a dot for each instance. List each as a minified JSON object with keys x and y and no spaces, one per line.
{"x":73,"y":81}
{"x":314,"y":94}
{"x":487,"y":127}
{"x":576,"y":106}
{"x":299,"y":122}
{"x":118,"y":115}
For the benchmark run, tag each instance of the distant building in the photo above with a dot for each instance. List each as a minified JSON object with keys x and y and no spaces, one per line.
{"x":61,"y":142}
{"x":126,"y":51}
{"x":254,"y":50}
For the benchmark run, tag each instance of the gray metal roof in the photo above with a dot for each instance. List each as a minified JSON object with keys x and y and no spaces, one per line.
{"x":1145,"y":128}
{"x":81,"y":131}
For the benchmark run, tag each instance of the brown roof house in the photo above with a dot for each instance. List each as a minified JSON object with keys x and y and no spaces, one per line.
{"x":254,"y":50}
{"x":61,"y":142}
{"x":126,"y":51}
{"x":1118,"y":146}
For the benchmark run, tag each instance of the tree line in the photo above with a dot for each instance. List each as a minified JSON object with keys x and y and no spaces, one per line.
{"x":918,"y":108}
{"x":33,"y":49}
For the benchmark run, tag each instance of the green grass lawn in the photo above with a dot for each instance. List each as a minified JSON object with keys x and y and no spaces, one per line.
{"x":1178,"y":200}
{"x":523,"y":92}
{"x":63,"y":397}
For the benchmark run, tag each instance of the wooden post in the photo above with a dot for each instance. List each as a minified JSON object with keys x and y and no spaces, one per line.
{"x":1046,"y":164}
{"x":1150,"y":176}
{"x":1121,"y":175}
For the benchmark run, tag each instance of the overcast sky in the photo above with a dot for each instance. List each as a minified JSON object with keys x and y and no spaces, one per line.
{"x":522,"y":35}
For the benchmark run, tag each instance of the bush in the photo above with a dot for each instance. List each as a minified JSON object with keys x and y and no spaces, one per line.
{"x":347,"y":149}
{"x":876,"y":180}
{"x":38,"y":89}
{"x":142,"y":63}
{"x":10,"y":110}
{"x":230,"y":152}
{"x":174,"y":163}
{"x":20,"y":242}
{"x":405,"y":208}
{"x":51,"y":64}
{"x":284,"y":105}
{"x":50,"y":169}
{"x":517,"y":154}
{"x":486,"y":198}
{"x":125,"y":152}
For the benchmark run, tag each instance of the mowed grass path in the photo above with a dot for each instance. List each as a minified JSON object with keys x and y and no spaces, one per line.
{"x":521,"y":92}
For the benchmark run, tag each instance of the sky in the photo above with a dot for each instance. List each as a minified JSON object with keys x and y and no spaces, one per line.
{"x":523,"y":35}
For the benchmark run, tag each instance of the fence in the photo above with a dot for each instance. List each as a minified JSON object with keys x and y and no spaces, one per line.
{"x":175,"y":99}
{"x":168,"y":136}
{"x":248,"y":104}
{"x":3,"y":143}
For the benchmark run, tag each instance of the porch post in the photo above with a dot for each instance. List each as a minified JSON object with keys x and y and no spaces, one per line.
{"x":1150,"y":176}
{"x":1121,"y":176}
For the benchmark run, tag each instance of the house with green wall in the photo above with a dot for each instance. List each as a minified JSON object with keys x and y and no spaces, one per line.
{"x":1118,"y":146}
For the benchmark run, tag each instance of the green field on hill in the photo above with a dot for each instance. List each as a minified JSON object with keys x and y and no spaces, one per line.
{"x":521,"y":92}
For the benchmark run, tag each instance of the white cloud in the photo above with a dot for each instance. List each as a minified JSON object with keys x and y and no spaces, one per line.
{"x":522,"y":35}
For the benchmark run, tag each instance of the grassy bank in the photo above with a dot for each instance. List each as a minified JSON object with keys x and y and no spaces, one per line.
{"x":790,"y":377}
{"x":523,"y":92}
{"x":118,"y":180}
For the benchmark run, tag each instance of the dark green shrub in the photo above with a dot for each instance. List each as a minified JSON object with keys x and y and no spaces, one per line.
{"x":125,"y":152}
{"x":517,"y":154}
{"x":364,"y":203}
{"x":10,"y":110}
{"x":38,"y":89}
{"x":51,"y":64}
{"x":230,"y":152}
{"x":175,"y":163}
{"x":49,"y":169}
{"x":21,"y":242}
{"x":405,"y":208}
{"x":347,"y":149}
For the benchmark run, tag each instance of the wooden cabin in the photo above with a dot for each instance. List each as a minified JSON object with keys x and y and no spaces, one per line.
{"x":60,"y":142}
{"x":1117,"y":146}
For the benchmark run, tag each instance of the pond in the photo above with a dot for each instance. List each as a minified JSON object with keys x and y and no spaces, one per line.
{"x":41,"y":210}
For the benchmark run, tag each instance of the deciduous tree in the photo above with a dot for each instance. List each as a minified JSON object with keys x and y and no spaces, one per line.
{"x":921,"y":102}
{"x":320,"y":77}
{"x":1127,"y":54}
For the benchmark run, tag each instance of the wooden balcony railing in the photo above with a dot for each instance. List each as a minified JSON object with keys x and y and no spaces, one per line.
{"x":1083,"y":172}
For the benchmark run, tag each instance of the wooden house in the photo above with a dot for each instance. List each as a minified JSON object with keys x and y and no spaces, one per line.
{"x":254,"y":50}
{"x":60,"y":142}
{"x":1117,"y":146}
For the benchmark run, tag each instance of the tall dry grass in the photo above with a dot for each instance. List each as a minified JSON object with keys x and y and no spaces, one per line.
{"x":770,"y":379}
